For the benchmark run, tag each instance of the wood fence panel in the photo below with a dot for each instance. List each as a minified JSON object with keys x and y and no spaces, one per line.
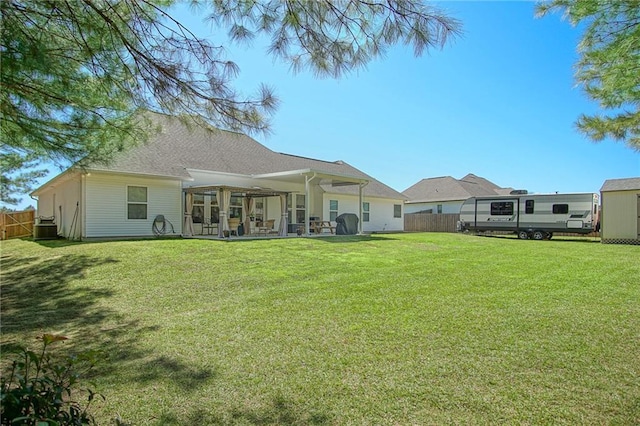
{"x":17,"y":224}
{"x":429,"y":222}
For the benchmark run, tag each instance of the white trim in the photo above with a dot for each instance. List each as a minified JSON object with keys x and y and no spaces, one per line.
{"x":142,"y":175}
{"x":127,"y":202}
{"x":350,"y":179}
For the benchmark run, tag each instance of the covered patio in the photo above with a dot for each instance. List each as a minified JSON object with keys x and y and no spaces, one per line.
{"x":226,"y":225}
{"x":243,"y":220}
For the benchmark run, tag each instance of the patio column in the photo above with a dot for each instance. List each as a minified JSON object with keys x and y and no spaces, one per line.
{"x":224,"y":199}
{"x":360,"y":209}
{"x":247,"y":204}
{"x":307,"y":202}
{"x":283,"y":216}
{"x":188,"y":220}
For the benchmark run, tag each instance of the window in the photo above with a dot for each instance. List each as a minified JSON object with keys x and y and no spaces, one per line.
{"x":528,"y":206}
{"x":197,"y":212}
{"x":560,"y":208}
{"x":300,"y":205}
{"x":502,"y":208}
{"x":215,"y":209}
{"x":235,"y":208}
{"x":365,"y":212}
{"x":397,"y":210}
{"x":439,"y":208}
{"x":136,"y":202}
{"x":259,"y":209}
{"x":333,"y":210}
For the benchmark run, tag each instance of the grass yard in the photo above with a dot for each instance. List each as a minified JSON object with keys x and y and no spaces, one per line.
{"x":422,"y":329}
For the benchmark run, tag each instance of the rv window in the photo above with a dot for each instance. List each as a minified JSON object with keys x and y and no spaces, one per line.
{"x":502,"y":208}
{"x":528,"y":206}
{"x":560,"y":208}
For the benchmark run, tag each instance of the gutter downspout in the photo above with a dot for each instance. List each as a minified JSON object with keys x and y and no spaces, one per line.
{"x":307,"y":202}
{"x":83,"y":210}
{"x":360,"y":190}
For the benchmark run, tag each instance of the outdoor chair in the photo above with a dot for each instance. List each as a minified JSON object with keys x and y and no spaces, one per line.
{"x":234,"y":222}
{"x":266,"y":227}
{"x":209,"y":226}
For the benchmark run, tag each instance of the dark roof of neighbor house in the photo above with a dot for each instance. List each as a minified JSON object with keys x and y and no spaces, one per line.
{"x":447,"y":188}
{"x":627,"y":184}
{"x":178,"y":147}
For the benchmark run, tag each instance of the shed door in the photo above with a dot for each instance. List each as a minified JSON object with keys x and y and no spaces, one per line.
{"x":638,"y":212}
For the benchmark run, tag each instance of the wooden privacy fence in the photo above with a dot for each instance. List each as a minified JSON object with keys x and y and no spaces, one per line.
{"x":17,"y":224}
{"x":429,"y":222}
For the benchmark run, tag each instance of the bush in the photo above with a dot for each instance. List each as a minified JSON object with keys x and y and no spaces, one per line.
{"x":38,"y":390}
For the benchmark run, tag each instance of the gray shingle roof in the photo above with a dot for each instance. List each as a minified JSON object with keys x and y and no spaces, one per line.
{"x":179,"y":147}
{"x":447,"y":188}
{"x":628,"y":184}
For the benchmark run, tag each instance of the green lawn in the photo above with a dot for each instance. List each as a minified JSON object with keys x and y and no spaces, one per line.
{"x":382,"y":330}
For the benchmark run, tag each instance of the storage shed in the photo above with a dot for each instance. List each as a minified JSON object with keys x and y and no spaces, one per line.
{"x":620,"y":221}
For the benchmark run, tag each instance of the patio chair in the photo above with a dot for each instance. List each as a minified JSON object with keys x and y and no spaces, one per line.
{"x":266,"y":227}
{"x":234,"y":222}
{"x":209,"y":226}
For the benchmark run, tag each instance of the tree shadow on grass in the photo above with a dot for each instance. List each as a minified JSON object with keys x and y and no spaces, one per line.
{"x":37,"y":296}
{"x":180,"y":374}
{"x":47,"y":295}
{"x":280,"y":411}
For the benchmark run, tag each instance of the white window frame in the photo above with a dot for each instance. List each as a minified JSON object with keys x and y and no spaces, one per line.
{"x":300,"y":203}
{"x":399,"y":206}
{"x":333,"y":213}
{"x":145,"y":203}
{"x":366,"y":208}
{"x":198,"y":203}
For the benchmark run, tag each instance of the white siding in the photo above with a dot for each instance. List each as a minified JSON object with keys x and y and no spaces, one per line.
{"x":106,"y":205}
{"x":380,"y":211}
{"x":63,"y":202}
{"x":620,"y":215}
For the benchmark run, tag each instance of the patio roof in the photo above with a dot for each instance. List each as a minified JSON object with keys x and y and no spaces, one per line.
{"x":254,"y":191}
{"x":290,"y":176}
{"x":333,"y":179}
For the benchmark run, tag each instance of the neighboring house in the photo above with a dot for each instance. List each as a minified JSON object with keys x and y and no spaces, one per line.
{"x":620,"y":219}
{"x":198,"y":179}
{"x":446,"y":194}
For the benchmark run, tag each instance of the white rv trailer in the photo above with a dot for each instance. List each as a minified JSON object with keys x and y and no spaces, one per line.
{"x":535,"y":216}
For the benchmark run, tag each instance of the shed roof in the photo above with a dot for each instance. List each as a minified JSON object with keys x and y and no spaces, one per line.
{"x":626,"y":184}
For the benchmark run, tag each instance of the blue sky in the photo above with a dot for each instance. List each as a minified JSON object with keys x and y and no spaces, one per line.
{"x":499,"y":102}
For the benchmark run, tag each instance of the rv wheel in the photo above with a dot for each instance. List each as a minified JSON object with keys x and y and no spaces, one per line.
{"x":523,"y":235}
{"x":538,"y":235}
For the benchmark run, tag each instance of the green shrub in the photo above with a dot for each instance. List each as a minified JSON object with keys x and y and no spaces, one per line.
{"x":38,"y":389}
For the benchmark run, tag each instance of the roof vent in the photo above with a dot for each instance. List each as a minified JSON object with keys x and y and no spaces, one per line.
{"x":519,"y":192}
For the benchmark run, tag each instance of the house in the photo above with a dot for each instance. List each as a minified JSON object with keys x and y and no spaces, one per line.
{"x":620,"y":218}
{"x":446,"y":194}
{"x":192,"y":180}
